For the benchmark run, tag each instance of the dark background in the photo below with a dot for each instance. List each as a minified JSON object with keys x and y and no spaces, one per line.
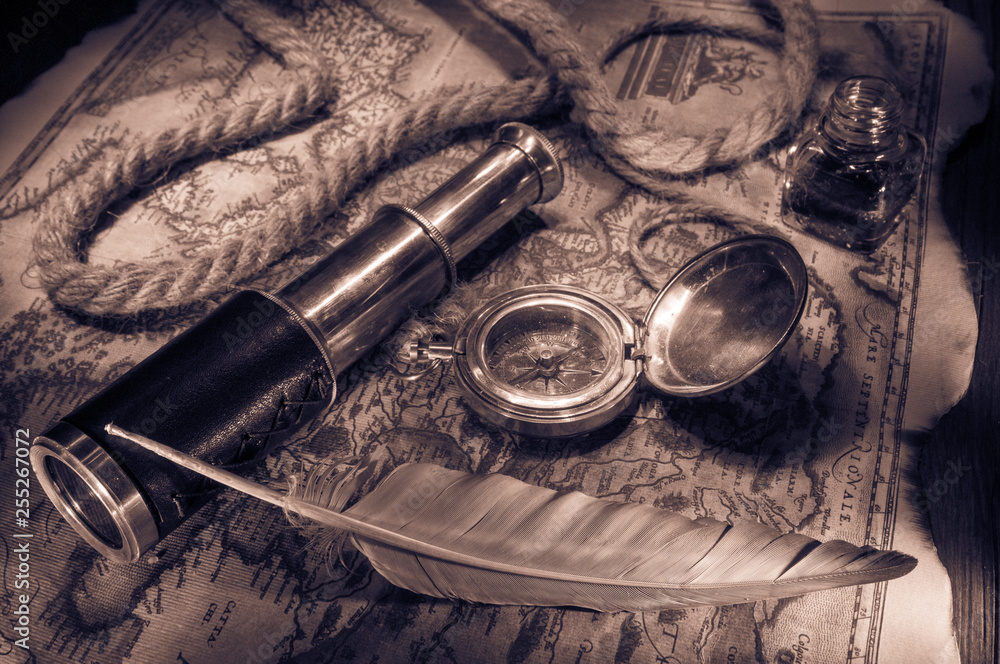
{"x":36,"y":33}
{"x":965,"y":520}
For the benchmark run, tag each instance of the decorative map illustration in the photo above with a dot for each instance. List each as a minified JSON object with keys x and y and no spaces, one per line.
{"x":819,"y":442}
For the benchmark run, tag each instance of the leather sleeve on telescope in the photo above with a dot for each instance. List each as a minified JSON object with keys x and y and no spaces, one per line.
{"x":227,"y":391}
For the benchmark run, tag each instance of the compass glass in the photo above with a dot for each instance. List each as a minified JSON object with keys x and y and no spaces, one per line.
{"x":544,"y":348}
{"x":547,"y":360}
{"x":547,"y":350}
{"x":552,"y":360}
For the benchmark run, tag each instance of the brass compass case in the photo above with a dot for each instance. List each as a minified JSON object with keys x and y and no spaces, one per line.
{"x":551,"y":360}
{"x":548,"y":360}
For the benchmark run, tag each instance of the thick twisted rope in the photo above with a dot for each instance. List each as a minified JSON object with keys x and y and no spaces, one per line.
{"x":134,"y":287}
{"x":646,"y":156}
{"x":72,"y":211}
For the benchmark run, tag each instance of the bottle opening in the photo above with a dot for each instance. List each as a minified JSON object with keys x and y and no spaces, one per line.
{"x":865,"y":112}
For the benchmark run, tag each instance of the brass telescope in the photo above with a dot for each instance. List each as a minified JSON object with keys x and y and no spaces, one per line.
{"x":240,"y":382}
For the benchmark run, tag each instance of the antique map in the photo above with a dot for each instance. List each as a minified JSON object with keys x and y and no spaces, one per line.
{"x":818,"y":442}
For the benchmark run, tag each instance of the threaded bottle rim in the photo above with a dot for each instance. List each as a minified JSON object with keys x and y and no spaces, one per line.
{"x":865,"y":114}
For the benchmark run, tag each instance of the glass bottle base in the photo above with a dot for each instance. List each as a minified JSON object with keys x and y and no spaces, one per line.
{"x":844,"y":234}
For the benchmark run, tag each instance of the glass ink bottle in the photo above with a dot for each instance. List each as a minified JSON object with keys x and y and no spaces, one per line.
{"x":848,"y":179}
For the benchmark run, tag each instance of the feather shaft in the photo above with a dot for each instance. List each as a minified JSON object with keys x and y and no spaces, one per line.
{"x":308,"y":510}
{"x":335,"y":519}
{"x":494,"y":539}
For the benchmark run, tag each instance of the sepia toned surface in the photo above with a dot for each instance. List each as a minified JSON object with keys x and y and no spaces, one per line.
{"x":818,"y":442}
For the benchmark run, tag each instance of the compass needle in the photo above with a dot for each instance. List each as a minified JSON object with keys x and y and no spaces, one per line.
{"x":526,"y":377}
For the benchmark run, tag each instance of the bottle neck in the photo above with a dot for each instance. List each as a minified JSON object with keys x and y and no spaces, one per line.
{"x":864,"y":118}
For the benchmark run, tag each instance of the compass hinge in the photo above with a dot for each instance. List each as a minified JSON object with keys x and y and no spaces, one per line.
{"x":637,"y":351}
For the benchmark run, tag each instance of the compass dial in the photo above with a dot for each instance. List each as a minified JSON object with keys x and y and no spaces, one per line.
{"x":547,"y":360}
{"x":560,"y":359}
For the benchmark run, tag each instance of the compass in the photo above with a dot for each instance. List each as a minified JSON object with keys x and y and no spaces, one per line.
{"x":552,"y":360}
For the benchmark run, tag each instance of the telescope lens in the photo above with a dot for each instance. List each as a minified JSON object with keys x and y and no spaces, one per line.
{"x":94,"y":493}
{"x":80,"y":497}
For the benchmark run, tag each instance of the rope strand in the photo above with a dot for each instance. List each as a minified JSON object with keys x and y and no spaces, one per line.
{"x":643,"y":154}
{"x":133,"y":287}
{"x":647,"y":156}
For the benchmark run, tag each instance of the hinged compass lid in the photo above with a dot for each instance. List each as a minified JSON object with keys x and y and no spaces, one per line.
{"x":554,"y":360}
{"x":724,"y":315}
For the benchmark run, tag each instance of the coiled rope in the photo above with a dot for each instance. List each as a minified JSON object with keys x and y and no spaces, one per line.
{"x":650,"y":157}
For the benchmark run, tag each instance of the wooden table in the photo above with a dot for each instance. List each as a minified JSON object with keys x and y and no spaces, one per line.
{"x":965,"y":520}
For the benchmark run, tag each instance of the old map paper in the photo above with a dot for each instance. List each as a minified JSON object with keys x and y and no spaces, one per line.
{"x":819,"y":442}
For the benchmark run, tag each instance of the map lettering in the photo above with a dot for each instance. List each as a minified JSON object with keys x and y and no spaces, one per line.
{"x":876,"y":337}
{"x":818,"y":348}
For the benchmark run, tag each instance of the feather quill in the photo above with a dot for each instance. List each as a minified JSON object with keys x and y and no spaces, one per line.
{"x":491,"y":538}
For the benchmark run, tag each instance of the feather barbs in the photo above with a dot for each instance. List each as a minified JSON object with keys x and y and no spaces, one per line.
{"x":570,"y":548}
{"x":494,"y":539}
